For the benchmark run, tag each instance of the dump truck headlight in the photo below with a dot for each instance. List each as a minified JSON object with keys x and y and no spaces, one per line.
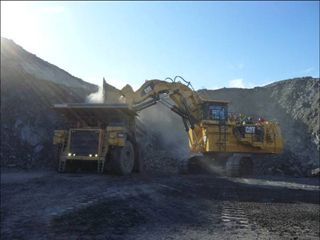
{"x":90,"y":155}
{"x":96,"y":155}
{"x":73,"y":154}
{"x":69,"y":154}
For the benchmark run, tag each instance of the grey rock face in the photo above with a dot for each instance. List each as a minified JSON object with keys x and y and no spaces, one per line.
{"x":18,"y":58}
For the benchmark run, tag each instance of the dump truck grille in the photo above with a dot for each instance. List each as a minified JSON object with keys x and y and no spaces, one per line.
{"x":84,"y":143}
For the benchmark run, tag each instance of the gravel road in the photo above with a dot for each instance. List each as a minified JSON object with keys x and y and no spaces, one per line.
{"x":48,"y":205}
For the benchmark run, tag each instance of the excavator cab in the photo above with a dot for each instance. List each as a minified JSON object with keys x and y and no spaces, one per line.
{"x":215,"y":110}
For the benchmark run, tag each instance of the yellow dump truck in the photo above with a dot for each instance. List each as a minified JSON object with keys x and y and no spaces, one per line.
{"x":104,"y":134}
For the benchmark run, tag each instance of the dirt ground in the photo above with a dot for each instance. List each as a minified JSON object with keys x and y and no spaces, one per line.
{"x":49,"y":205}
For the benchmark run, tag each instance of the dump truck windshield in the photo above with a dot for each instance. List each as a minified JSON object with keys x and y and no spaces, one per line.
{"x":84,"y":142}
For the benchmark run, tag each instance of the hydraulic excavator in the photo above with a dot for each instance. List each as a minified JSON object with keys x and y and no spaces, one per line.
{"x":212,"y":132}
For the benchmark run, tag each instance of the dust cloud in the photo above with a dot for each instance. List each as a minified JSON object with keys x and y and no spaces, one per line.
{"x":96,"y":97}
{"x":170,"y":140}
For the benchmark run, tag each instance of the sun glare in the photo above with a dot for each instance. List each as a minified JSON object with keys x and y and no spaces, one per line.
{"x":19,"y":22}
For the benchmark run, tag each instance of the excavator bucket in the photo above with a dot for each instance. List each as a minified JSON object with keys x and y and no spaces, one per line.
{"x":128,"y":93}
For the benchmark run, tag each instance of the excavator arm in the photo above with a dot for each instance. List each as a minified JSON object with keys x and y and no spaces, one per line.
{"x":186,"y":102}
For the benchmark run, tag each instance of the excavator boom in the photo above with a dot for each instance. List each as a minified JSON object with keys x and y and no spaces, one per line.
{"x":186,"y":102}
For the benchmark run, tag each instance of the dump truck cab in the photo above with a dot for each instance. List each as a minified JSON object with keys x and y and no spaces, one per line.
{"x":102,"y":133}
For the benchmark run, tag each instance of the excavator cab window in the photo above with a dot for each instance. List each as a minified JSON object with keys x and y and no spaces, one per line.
{"x":216,"y":111}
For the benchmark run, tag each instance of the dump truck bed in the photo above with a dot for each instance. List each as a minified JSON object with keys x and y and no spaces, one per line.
{"x":98,"y":112}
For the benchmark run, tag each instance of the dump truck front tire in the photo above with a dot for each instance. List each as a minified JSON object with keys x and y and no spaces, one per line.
{"x":122,"y":159}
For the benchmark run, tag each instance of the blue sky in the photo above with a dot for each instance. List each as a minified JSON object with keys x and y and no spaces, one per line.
{"x":211,"y":44}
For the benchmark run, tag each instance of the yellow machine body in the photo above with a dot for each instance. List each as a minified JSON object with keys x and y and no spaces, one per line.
{"x":97,"y":131}
{"x":211,"y":136}
{"x":111,"y":136}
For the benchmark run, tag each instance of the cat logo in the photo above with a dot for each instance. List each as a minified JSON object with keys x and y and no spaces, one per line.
{"x":147,"y":89}
{"x":250,"y":129}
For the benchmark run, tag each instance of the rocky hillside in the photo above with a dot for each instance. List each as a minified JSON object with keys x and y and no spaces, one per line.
{"x":294,"y":103}
{"x":18,"y":58}
{"x":29,"y":88}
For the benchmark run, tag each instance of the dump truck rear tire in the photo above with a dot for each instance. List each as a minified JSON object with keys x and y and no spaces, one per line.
{"x":122,"y":159}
